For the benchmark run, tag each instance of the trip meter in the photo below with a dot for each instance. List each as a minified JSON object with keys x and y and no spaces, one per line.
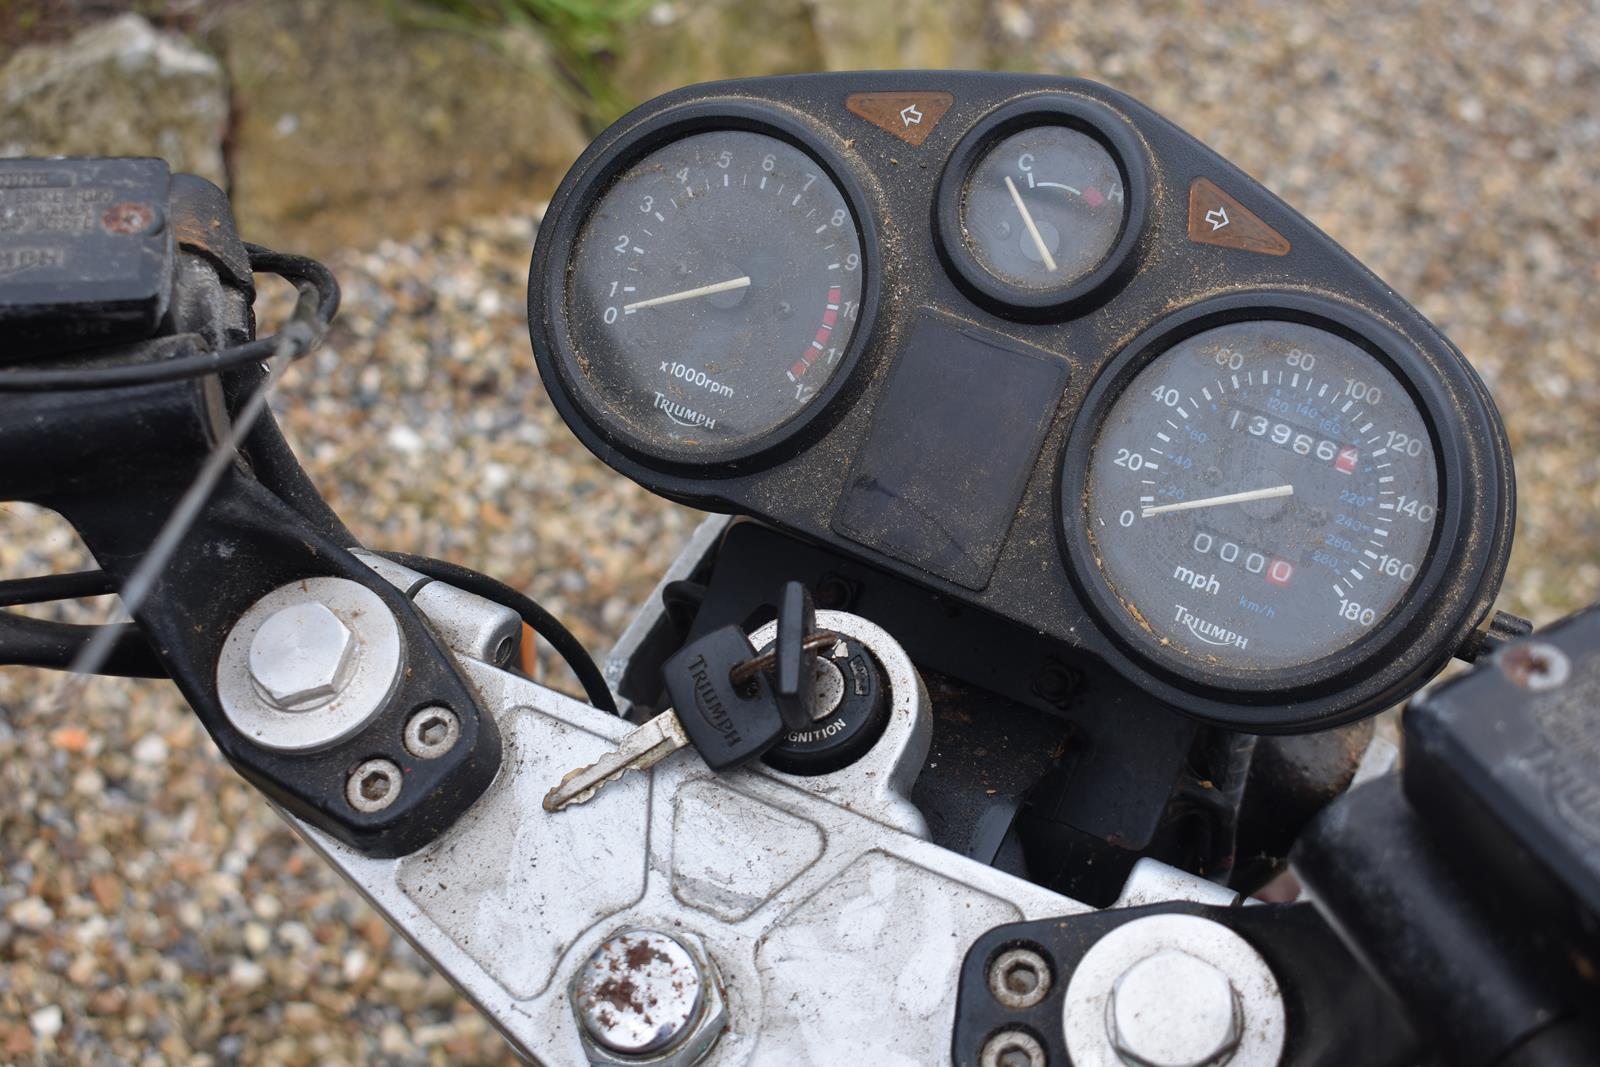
{"x":713,"y":289}
{"x":1261,"y":499}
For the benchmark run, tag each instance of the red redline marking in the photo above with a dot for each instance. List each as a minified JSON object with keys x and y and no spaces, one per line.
{"x":830,"y":317}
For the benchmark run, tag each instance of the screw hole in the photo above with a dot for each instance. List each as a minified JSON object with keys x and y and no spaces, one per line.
{"x":373,"y":786}
{"x":503,"y":651}
{"x":432,"y":732}
{"x":1021,"y":978}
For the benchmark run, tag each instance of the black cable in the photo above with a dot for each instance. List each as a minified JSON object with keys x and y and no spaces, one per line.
{"x":29,"y":642}
{"x":544,"y":624}
{"x":299,"y":270}
{"x":46,"y":587}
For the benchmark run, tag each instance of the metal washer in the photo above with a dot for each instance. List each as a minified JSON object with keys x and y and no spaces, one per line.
{"x":377,"y":671}
{"x":1083,"y":1014}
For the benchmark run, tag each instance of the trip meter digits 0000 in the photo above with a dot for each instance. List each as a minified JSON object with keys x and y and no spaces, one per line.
{"x":714,"y":285}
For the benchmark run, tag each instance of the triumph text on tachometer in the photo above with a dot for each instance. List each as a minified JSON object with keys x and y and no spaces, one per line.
{"x":1261,"y":496}
{"x":713,"y":291}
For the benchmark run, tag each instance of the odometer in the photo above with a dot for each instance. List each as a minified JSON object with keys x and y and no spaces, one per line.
{"x":1261,"y":496}
{"x":713,"y":291}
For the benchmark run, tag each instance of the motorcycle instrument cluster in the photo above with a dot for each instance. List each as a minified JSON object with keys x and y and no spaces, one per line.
{"x":1026,"y":343}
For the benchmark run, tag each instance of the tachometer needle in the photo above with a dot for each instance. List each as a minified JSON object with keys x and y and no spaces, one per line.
{"x":1228,"y":498}
{"x":690,"y":294}
{"x":1033,"y":230}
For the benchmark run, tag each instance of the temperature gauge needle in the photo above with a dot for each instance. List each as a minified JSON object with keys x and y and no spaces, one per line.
{"x":1229,"y":498}
{"x":1033,"y":230}
{"x":689,"y":294}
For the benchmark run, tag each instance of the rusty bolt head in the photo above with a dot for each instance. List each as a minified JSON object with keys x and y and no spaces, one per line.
{"x":301,"y":657}
{"x":1535,"y":665}
{"x":645,"y":995}
{"x":1172,"y":1009}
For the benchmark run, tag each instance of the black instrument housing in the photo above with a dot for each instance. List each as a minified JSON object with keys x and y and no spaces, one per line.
{"x":1022,"y":561}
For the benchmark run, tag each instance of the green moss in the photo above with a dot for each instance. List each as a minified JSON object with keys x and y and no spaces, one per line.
{"x":584,"y":34}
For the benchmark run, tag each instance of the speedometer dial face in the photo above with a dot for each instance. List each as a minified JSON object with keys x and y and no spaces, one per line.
{"x":1261,"y":496}
{"x":713,"y":292}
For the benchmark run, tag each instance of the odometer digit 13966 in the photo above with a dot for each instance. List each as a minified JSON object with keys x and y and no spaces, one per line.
{"x":1261,"y":496}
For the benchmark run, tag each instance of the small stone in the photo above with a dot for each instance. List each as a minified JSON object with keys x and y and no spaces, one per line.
{"x":31,"y":913}
{"x":247,"y":974}
{"x":72,"y":739}
{"x":46,"y":1022}
{"x":151,"y":750}
{"x":257,"y":938}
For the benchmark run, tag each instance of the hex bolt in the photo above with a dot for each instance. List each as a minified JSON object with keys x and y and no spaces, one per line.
{"x":1535,"y":665}
{"x":373,"y":786}
{"x":1172,"y":1009}
{"x":431,"y":732}
{"x":1019,"y":978}
{"x":301,"y":657}
{"x":1012,"y":1048}
{"x":642,"y":993}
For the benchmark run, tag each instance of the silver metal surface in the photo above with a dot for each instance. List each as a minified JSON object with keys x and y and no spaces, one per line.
{"x":1012,"y":1048}
{"x":646,"y":996}
{"x":299,"y":653}
{"x":828,"y":691}
{"x":1019,"y":978}
{"x":467,"y":624}
{"x":1153,"y":882}
{"x":373,"y":785}
{"x":301,"y":657}
{"x":1380,"y":758}
{"x":432,"y":732}
{"x":1148,"y":1031}
{"x":1173,"y":1010}
{"x":839,"y":934}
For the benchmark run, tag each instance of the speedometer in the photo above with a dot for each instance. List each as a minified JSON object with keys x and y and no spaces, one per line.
{"x":1262,"y":495}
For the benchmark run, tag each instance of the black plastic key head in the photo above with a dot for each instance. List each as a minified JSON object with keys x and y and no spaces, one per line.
{"x":794,"y":675}
{"x":728,"y":724}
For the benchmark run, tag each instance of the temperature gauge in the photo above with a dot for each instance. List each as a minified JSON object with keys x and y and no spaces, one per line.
{"x":1044,"y":207}
{"x":1041,"y":205}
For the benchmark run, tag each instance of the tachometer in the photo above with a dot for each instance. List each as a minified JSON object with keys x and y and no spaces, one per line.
{"x":713,"y":290}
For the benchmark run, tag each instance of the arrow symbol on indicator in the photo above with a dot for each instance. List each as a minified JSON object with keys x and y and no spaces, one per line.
{"x":910,"y":116}
{"x":1218,"y":217}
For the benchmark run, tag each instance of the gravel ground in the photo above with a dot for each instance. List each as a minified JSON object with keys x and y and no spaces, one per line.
{"x":153,"y":911}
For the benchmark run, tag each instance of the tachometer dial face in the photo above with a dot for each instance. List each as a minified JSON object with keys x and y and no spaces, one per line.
{"x":1043,"y":207}
{"x":713,"y":292}
{"x":1261,"y":496}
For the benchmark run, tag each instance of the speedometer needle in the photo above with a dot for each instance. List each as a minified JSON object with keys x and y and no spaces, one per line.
{"x":1228,"y":498}
{"x":690,"y":294}
{"x":1033,"y":230}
